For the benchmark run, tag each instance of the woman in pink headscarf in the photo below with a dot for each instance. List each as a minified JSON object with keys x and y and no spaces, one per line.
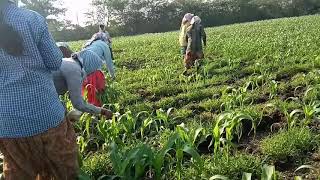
{"x":183,"y":32}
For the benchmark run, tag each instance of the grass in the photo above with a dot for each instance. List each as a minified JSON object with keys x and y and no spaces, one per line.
{"x":261,"y":70}
{"x":290,"y":144}
{"x":97,"y":165}
{"x":231,"y":167}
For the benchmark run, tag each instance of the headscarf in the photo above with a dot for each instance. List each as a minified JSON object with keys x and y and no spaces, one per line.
{"x":187,"y":17}
{"x":195,"y":20}
{"x":96,"y":37}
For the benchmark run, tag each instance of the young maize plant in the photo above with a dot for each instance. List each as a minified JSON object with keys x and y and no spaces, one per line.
{"x":226,"y":127}
{"x":268,"y":173}
{"x":273,"y":61}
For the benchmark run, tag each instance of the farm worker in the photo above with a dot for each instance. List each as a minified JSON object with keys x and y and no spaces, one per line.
{"x":95,"y":82}
{"x":183,"y":32}
{"x":65,"y":49}
{"x":102,"y":30}
{"x":195,"y":36}
{"x":69,"y":78}
{"x":105,"y":37}
{"x":36,"y":139}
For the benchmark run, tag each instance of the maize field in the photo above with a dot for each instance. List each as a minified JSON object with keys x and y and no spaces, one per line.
{"x":249,"y":110}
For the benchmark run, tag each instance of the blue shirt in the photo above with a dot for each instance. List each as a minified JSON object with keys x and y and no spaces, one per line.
{"x":103,"y":51}
{"x":29,"y":103}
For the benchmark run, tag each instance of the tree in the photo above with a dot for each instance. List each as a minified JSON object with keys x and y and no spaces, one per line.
{"x":46,"y":8}
{"x":128,"y":17}
{"x":91,"y":18}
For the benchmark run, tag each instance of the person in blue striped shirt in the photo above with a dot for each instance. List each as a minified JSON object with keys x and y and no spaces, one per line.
{"x":95,"y":83}
{"x":99,"y":45}
{"x":36,"y":139}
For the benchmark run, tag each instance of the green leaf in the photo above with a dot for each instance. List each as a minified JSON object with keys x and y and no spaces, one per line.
{"x":83,"y":176}
{"x":106,"y":177}
{"x":294,"y":112}
{"x":268,"y":173}
{"x":246,"y":176}
{"x":169,"y":111}
{"x":88,"y":123}
{"x":196,"y":134}
{"x":219,"y":177}
{"x":304,"y":167}
{"x":195,"y":155}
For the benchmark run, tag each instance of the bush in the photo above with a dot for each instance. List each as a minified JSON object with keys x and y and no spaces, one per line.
{"x":97,"y":165}
{"x":232,"y":167}
{"x":288,"y":144}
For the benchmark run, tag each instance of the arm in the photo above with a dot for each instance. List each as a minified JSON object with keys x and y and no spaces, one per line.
{"x":50,"y":53}
{"x":189,"y":39}
{"x":204,"y":36}
{"x":73,"y":78}
{"x":108,"y":60}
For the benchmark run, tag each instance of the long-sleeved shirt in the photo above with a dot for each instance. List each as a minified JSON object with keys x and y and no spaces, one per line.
{"x":29,"y":103}
{"x":183,"y":34}
{"x":103,"y":51}
{"x":195,"y":36}
{"x":69,"y":78}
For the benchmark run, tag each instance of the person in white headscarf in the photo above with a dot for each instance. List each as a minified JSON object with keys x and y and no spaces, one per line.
{"x":183,"y":32}
{"x":195,"y":37}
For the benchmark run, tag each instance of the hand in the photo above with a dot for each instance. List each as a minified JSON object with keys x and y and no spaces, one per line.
{"x":74,"y":115}
{"x":107,"y":113}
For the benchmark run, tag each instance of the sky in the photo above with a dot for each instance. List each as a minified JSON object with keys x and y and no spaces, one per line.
{"x":76,"y":8}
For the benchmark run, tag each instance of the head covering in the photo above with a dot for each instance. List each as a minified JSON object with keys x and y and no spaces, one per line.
{"x":102,"y":28}
{"x":97,"y":36}
{"x":188,"y":17}
{"x":195,"y":20}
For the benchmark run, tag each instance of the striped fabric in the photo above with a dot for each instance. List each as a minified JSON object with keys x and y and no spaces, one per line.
{"x":90,"y":60}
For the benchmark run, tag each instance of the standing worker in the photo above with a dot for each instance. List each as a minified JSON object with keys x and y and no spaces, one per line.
{"x":36,"y":139}
{"x":106,"y":35}
{"x":195,"y":36}
{"x":183,"y":33}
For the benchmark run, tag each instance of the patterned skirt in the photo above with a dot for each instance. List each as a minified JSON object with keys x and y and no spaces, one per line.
{"x":191,"y":57}
{"x":92,"y":86}
{"x":50,"y":155}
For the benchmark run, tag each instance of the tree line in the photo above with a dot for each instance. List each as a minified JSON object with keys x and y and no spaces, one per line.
{"x":130,"y":17}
